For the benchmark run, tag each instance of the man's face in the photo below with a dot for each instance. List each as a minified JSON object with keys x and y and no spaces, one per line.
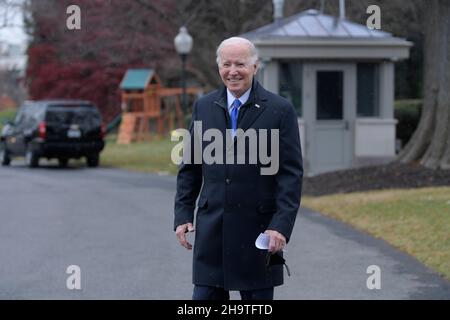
{"x":236,"y":69}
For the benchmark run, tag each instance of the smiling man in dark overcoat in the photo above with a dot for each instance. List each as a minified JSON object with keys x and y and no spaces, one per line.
{"x":239,"y":201}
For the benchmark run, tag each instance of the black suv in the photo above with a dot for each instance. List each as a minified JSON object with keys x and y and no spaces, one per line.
{"x":61,"y":129}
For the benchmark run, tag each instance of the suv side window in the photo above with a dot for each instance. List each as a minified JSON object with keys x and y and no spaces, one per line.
{"x":34,"y":114}
{"x":18,"y":120}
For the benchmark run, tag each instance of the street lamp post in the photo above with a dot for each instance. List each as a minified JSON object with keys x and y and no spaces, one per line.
{"x":183,"y":44}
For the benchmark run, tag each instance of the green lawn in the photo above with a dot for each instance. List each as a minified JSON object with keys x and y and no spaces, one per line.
{"x":151,"y":156}
{"x":416,"y":221}
{"x":6,"y":115}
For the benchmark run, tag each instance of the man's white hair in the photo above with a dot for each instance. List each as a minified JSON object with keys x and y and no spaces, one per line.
{"x":238,"y":40}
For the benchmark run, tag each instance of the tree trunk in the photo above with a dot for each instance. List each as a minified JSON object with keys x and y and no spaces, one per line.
{"x":430,"y":143}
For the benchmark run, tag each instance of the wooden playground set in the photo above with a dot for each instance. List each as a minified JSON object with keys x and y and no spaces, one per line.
{"x":148,"y":108}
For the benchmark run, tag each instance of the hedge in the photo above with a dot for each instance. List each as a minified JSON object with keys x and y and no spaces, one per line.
{"x":407,"y":112}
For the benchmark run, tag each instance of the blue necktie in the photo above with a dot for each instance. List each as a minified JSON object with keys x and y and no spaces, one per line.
{"x":234,"y":115}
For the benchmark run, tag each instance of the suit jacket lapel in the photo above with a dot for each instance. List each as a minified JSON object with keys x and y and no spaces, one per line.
{"x":251,"y":114}
{"x":255,"y":105}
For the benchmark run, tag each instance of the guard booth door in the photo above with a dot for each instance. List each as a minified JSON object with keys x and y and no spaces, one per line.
{"x":330,"y":111}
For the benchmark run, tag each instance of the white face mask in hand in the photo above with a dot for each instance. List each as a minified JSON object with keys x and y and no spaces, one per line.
{"x":262,"y":242}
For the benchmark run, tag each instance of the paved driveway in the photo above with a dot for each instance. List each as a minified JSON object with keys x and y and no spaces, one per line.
{"x":117,"y":227}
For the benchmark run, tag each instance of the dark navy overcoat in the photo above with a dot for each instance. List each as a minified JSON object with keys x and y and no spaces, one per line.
{"x":235,"y":201}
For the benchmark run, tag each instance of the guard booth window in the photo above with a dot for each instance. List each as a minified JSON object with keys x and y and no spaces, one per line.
{"x":330,"y":86}
{"x":368,"y":90}
{"x":291,"y":74}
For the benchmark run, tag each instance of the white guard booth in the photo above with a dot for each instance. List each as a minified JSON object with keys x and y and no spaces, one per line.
{"x":339,"y":75}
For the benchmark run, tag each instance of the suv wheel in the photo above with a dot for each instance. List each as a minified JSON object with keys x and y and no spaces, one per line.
{"x":93,"y":160}
{"x":31,"y":158}
{"x":5,"y":160}
{"x":63,"y":162}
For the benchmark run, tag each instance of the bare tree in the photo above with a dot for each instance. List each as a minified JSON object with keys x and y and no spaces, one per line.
{"x":210,"y":22}
{"x":430,"y":144}
{"x":10,"y":85}
{"x":10,"y":77}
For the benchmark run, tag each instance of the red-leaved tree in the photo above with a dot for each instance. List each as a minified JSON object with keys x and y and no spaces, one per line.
{"x":89,"y":63}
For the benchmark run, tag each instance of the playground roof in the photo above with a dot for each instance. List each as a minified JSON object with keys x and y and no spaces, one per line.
{"x":136,"y":79}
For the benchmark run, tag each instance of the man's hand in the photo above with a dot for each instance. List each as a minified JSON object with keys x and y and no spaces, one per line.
{"x":277,"y":241}
{"x":181,"y":234}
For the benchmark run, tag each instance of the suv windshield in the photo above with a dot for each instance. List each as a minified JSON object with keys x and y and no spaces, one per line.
{"x":83,"y":116}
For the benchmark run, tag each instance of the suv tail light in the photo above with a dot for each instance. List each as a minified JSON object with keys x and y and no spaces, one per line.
{"x":42,"y":130}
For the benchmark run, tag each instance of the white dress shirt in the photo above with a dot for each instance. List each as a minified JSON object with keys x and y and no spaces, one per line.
{"x":230,"y":99}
